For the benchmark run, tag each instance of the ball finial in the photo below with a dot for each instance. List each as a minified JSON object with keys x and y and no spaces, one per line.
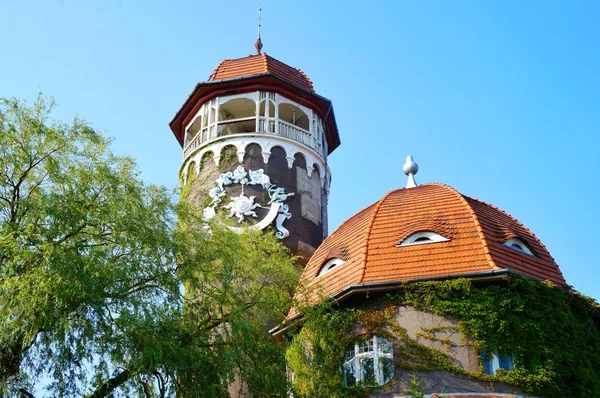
{"x":410,"y":169}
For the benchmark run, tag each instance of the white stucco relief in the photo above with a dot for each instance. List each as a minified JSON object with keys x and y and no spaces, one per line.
{"x":243,"y":206}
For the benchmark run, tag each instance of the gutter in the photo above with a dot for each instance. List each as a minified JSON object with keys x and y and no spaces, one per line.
{"x":371,"y":287}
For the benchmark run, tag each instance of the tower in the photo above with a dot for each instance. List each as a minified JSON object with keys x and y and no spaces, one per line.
{"x":255,"y":140}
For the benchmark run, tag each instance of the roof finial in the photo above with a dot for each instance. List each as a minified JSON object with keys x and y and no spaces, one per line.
{"x":410,"y":169}
{"x":258,"y":44}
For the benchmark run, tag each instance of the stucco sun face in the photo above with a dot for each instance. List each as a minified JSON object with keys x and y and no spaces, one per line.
{"x":242,"y":206}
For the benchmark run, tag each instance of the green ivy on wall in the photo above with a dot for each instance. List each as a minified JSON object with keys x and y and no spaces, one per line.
{"x":553,"y":335}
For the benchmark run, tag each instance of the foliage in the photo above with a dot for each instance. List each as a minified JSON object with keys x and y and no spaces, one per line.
{"x":416,"y":391}
{"x":553,"y":334}
{"x":316,"y":353}
{"x":92,"y":268}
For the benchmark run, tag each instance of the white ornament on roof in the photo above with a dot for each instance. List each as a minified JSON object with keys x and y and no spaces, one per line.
{"x":242,"y":206}
{"x":410,"y":169}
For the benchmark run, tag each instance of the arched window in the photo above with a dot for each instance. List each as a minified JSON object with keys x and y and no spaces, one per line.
{"x":369,"y":362}
{"x":423,"y":237}
{"x":518,"y":245}
{"x":329,"y":265}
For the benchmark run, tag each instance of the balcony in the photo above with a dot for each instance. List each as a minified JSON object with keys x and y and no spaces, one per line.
{"x":223,"y":117}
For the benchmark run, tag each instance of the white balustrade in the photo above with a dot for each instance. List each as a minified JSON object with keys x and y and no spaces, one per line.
{"x":266,"y":125}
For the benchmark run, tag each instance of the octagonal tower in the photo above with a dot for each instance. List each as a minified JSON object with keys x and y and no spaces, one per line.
{"x":255,"y":141}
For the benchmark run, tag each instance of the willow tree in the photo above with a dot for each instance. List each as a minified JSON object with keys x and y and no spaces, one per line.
{"x":96,"y":270}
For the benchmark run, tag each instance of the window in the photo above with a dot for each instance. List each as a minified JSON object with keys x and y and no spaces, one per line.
{"x":494,"y":361}
{"x":518,"y":245}
{"x":369,"y":362}
{"x":329,"y":265}
{"x":423,"y":237}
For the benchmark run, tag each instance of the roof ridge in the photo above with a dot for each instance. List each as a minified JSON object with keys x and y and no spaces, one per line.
{"x":214,"y":73}
{"x":486,"y":248}
{"x":307,"y":78}
{"x":520,"y":224}
{"x":368,"y":233}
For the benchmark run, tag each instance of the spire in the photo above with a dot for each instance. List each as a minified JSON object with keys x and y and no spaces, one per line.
{"x":258,"y":44}
{"x":410,"y":169}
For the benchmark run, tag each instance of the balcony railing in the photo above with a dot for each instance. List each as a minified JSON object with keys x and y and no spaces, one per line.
{"x":266,"y":126}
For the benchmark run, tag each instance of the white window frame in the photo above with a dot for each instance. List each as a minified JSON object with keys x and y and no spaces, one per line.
{"x":515,"y":241}
{"x":494,"y":362}
{"x":432,"y":236}
{"x":329,"y":265}
{"x":359,"y":374}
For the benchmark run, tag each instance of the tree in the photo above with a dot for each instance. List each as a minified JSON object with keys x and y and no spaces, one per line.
{"x":111,"y":288}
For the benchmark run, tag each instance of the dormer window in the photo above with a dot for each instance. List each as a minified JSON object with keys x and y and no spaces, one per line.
{"x":329,"y":265}
{"x":518,"y":245}
{"x":423,"y":237}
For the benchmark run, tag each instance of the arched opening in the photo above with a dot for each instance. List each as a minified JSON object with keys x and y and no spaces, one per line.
{"x":237,"y":116}
{"x":228,"y":158}
{"x":192,"y":131}
{"x":263,"y":108}
{"x":300,"y":160}
{"x":294,"y":115}
{"x":316,"y":170}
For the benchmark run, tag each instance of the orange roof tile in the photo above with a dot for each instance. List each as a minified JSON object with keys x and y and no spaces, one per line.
{"x":476,"y":233}
{"x":260,"y":64}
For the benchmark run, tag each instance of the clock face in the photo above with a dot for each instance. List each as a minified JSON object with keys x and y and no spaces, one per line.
{"x":257,"y":210}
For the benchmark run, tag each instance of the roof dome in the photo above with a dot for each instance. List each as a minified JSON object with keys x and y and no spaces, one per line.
{"x":260,"y":64}
{"x":474,"y":239}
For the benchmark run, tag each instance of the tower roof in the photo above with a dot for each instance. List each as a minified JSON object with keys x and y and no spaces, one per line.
{"x":260,"y":64}
{"x":476,"y":234}
{"x":257,"y":72}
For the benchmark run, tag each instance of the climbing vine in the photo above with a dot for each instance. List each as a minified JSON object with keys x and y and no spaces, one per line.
{"x":552,"y":334}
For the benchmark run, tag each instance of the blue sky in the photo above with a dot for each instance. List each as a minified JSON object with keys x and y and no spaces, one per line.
{"x":501,"y":100}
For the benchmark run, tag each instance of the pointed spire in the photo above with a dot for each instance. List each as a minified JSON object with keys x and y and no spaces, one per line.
{"x":258,"y":44}
{"x":410,"y":169}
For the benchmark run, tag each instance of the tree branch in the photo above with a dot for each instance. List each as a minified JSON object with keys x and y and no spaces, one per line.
{"x":26,"y":393}
{"x":109,"y":385}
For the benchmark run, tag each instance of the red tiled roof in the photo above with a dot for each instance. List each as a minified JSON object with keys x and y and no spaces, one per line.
{"x":259,"y":64}
{"x":476,"y":233}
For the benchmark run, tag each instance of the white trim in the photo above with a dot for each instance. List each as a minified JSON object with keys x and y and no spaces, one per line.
{"x":413,"y":239}
{"x":374,"y":353}
{"x":329,"y":265}
{"x":522,"y":246}
{"x":266,"y":142}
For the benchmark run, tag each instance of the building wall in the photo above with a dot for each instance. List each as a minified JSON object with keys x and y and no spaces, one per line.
{"x":418,"y":326}
{"x":306,"y":227}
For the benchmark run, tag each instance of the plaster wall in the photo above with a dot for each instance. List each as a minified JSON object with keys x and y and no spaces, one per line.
{"x":417,"y":325}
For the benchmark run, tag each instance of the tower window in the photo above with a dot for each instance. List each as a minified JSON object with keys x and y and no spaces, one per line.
{"x":369,"y":362}
{"x":329,"y":265}
{"x":518,"y":245}
{"x":422,"y":237}
{"x":493,"y":361}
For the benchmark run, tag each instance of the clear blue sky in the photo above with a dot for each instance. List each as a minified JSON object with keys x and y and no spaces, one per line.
{"x":499,"y":99}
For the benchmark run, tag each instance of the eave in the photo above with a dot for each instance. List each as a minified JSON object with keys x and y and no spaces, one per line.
{"x":206,"y":91}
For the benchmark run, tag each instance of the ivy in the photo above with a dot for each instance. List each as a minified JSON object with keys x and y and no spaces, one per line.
{"x":553,"y":335}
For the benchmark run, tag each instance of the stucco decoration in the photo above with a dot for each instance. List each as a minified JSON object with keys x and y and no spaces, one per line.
{"x":243,"y":206}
